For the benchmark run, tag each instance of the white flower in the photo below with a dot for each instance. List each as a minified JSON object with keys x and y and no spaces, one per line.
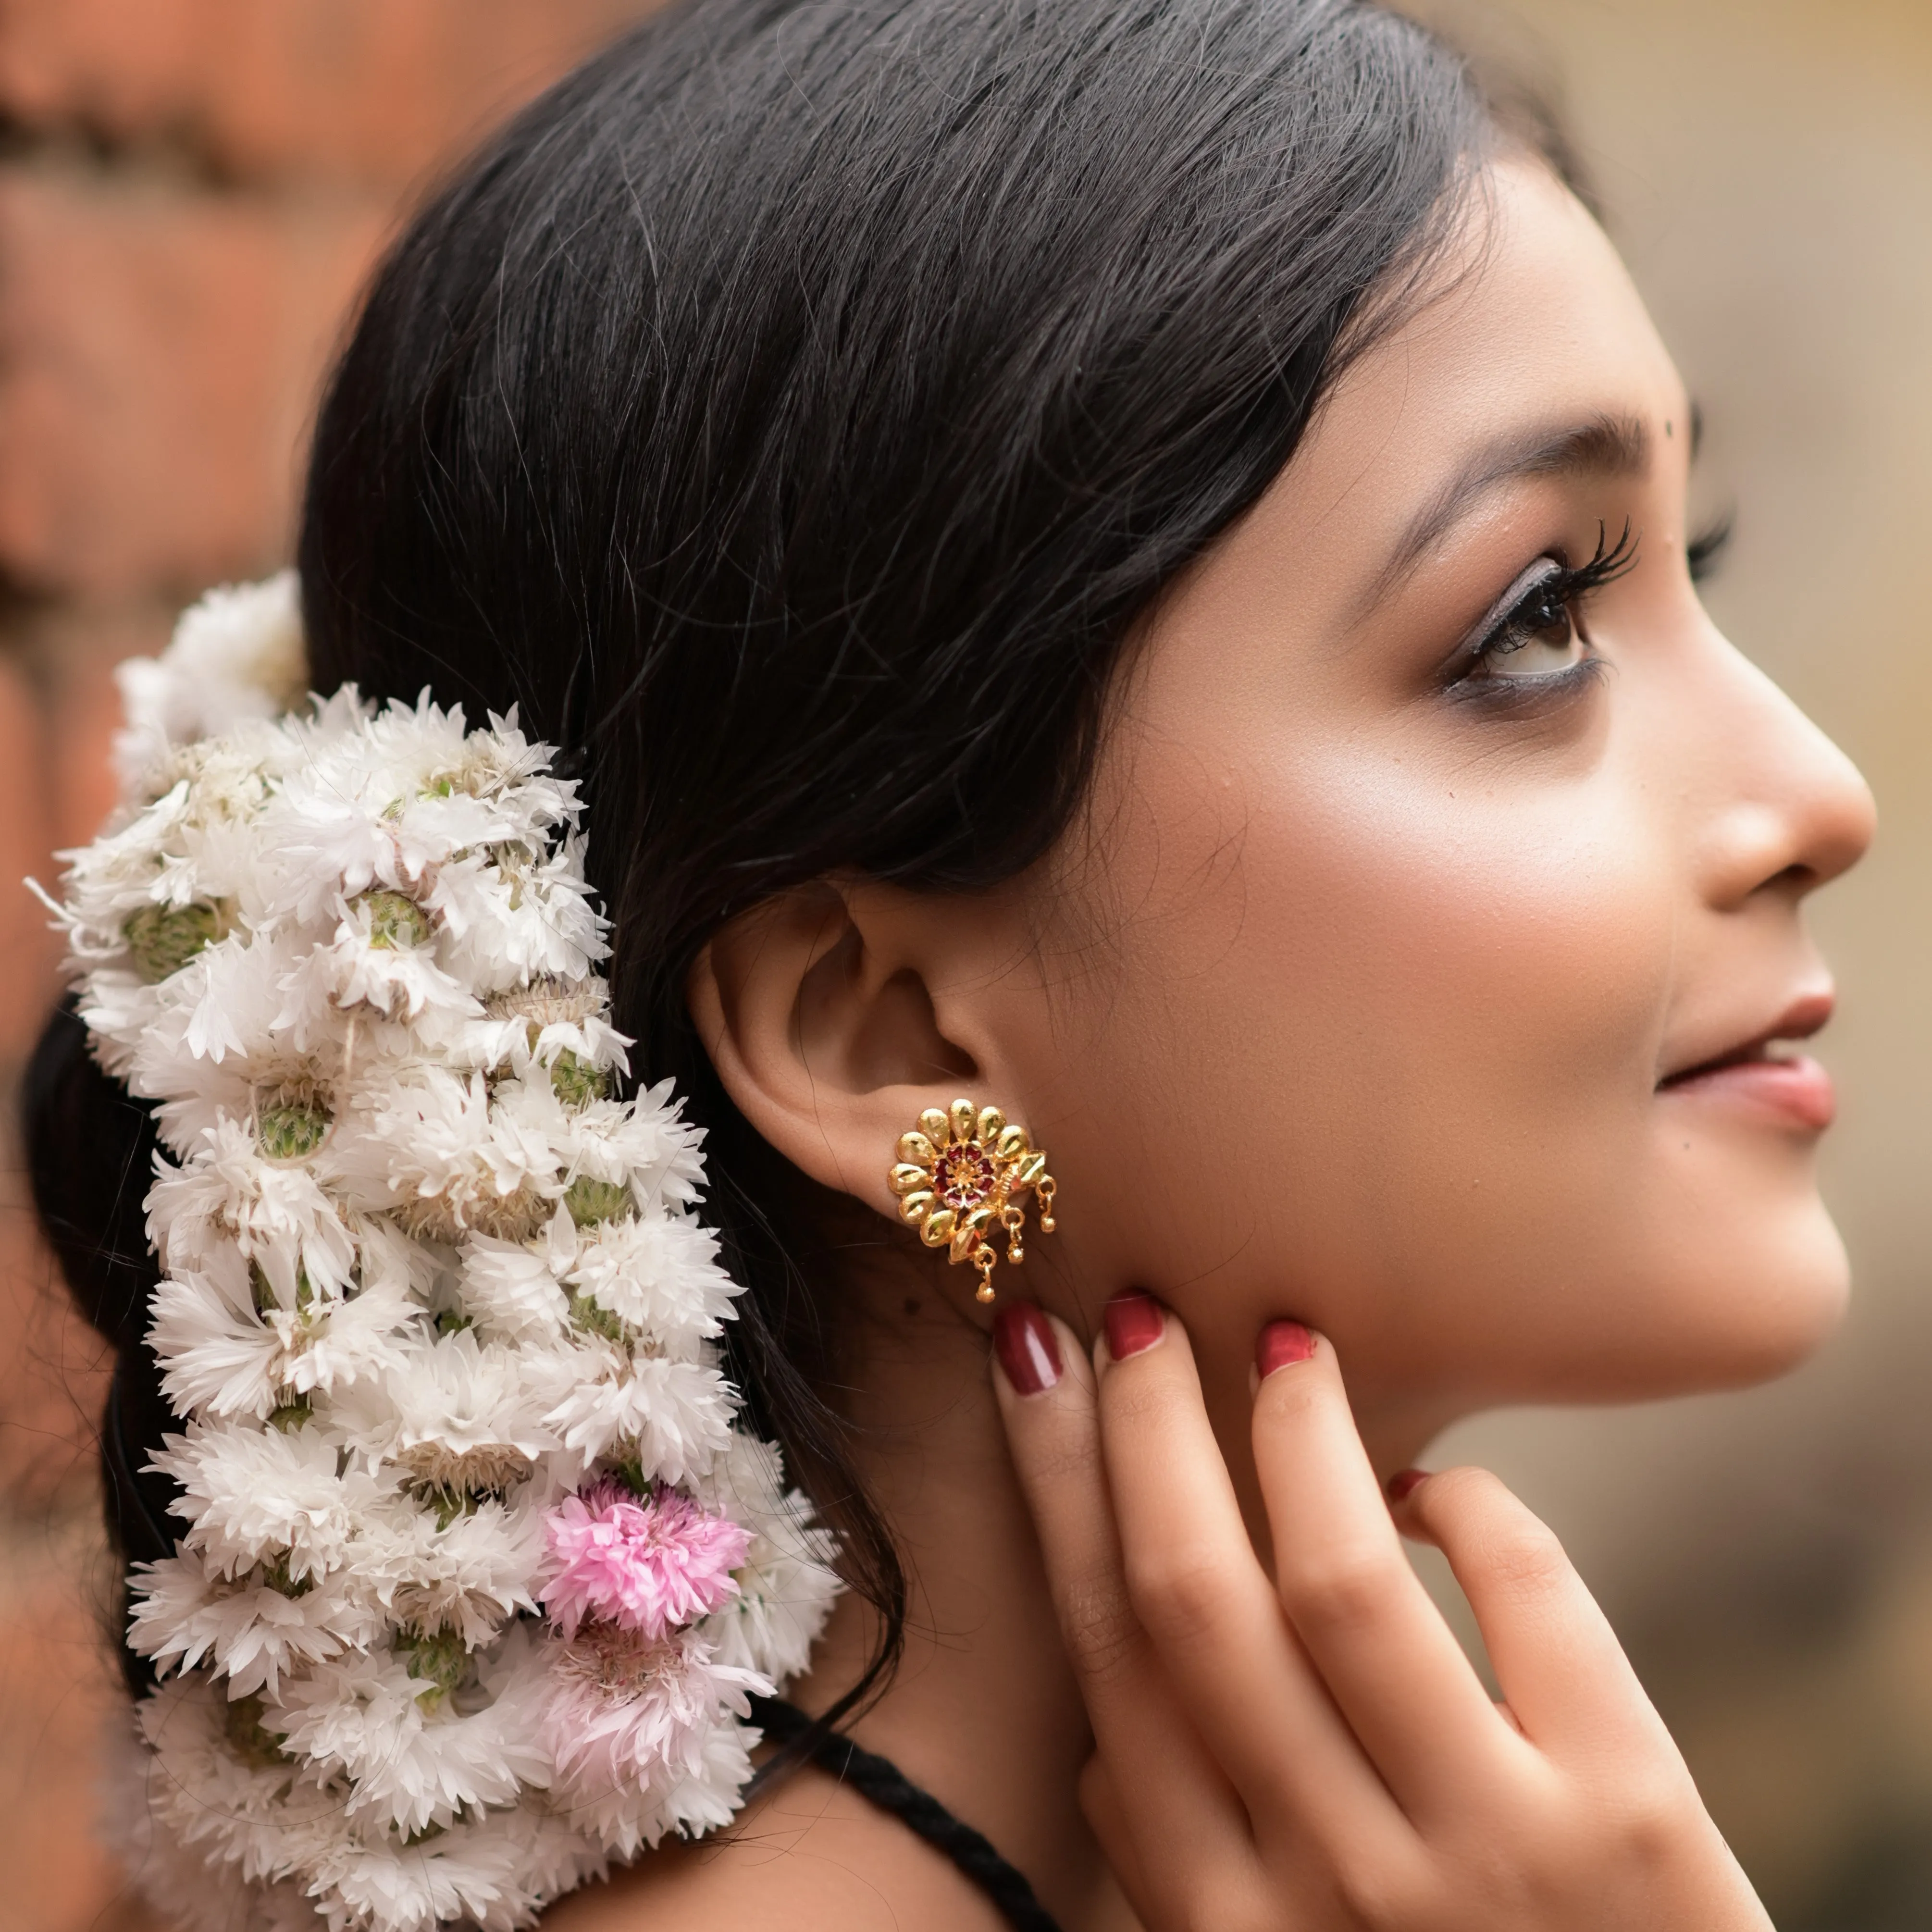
{"x":412,"y":1757}
{"x":465,"y":1570}
{"x":518,"y":917}
{"x":275,"y":1214}
{"x":512,"y":1289}
{"x":286,"y":1832}
{"x":424,"y":1276}
{"x":624,"y":1715}
{"x":450,"y":1153}
{"x":237,"y":655}
{"x":219,"y":1353}
{"x":254,"y":1495}
{"x":252,"y":1631}
{"x":786,"y":1584}
{"x":493,"y":1875}
{"x":190,"y":1889}
{"x":642,"y":1141}
{"x":456,"y":1416}
{"x":670,"y":1417}
{"x":524,"y":1031}
{"x":222,"y":1785}
{"x":223,"y":1001}
{"x":358,"y":967}
{"x":657,"y":1273}
{"x":700,"y":1795}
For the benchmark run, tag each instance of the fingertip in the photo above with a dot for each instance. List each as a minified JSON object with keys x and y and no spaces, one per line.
{"x":1026,"y":1350}
{"x":1282,"y":1344}
{"x":1133,"y":1322}
{"x":1408,"y":1505}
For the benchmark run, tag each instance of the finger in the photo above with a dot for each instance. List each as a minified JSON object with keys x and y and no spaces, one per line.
{"x":1557,"y":1662}
{"x":1166,"y":1886}
{"x":1389,"y":1659}
{"x":1114,"y":1828}
{"x":1202,"y":1596}
{"x":1169,"y":1787}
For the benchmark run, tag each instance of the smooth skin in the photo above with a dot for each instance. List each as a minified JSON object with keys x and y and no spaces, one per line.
{"x":1390,"y":982}
{"x":1311,"y":1748}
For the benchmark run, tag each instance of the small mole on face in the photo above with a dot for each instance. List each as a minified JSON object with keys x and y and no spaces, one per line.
{"x":1669,"y":428}
{"x":912,"y":1304}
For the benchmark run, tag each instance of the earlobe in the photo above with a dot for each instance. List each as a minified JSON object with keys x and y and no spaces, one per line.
{"x":819,"y":1017}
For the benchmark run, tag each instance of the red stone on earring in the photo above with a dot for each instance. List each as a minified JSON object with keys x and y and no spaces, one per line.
{"x":963,"y":1176}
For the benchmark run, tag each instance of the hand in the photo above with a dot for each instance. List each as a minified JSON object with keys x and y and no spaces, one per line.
{"x":1313,"y":1751}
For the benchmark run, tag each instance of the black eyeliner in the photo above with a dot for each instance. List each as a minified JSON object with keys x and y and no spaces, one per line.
{"x":1520,"y":694}
{"x":1563,"y":584}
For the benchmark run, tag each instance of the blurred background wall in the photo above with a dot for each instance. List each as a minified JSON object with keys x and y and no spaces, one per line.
{"x":189,"y":190}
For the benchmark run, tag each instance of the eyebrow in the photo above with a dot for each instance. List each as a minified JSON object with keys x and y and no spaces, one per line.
{"x":1605,"y":445}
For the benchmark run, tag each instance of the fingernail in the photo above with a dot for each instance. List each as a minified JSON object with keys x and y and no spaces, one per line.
{"x":1023,"y":1339}
{"x":1134,"y":1322}
{"x":1280,"y":1343}
{"x":1404,"y":1483}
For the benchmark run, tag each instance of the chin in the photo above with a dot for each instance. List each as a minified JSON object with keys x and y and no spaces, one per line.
{"x":1748,"y":1306}
{"x":1797,"y":1301}
{"x":1748,"y":1273}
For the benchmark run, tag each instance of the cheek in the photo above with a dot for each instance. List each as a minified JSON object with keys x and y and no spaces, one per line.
{"x":1401,"y":1035}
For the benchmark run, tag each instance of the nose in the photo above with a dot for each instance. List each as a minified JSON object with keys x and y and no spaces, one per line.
{"x":1793,"y":811}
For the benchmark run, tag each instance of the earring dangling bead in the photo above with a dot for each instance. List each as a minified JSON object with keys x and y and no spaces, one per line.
{"x":957,"y":1175}
{"x":985,"y":1261}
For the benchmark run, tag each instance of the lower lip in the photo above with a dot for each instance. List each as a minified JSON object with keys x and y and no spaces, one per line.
{"x":1798,"y":1089}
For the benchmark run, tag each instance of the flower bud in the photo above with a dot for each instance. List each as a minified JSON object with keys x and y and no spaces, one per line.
{"x":163,"y":939}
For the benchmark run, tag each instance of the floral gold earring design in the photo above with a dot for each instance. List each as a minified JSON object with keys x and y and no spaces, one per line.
{"x":957,"y":1175}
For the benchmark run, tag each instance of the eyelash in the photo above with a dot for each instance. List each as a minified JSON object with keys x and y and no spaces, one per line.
{"x":1706,"y":550}
{"x":1569,"y":587}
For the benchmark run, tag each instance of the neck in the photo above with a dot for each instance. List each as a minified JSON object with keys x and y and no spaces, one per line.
{"x":984,"y":1710}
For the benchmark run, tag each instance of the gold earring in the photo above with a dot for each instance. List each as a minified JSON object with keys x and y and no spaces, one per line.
{"x":957,"y":1175}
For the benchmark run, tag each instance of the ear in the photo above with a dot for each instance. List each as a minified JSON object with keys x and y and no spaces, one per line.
{"x":818,"y":1008}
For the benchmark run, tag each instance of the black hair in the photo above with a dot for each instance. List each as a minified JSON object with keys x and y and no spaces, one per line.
{"x":790,"y":412}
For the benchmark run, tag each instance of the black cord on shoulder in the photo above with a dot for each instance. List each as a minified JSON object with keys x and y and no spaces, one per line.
{"x":881,"y":1782}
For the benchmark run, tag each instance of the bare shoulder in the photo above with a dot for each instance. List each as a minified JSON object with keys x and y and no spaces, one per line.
{"x":813,"y":1857}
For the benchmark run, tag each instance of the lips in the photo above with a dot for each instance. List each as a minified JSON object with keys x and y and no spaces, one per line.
{"x":1766,"y":1072}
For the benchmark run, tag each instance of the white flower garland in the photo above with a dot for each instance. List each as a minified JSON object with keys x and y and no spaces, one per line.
{"x":477,"y":1571}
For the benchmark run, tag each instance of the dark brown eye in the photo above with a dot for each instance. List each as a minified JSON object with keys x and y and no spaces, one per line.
{"x":1542,"y":617}
{"x":1536,"y":636}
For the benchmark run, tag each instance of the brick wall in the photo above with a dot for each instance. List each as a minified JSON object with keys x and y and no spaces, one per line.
{"x":191,"y":191}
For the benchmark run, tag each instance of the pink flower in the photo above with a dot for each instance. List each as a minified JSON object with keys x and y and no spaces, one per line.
{"x":646,"y":1564}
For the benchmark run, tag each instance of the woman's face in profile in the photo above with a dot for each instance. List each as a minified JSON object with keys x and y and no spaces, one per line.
{"x":1415,"y":970}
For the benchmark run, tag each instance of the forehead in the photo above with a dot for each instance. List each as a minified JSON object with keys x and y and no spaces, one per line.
{"x":1532,"y":324}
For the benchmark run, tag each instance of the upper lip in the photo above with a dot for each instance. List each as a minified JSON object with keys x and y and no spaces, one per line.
{"x":1799,"y":1020}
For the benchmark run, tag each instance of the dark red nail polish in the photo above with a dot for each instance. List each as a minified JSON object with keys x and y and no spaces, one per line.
{"x":1023,"y":1339}
{"x":1280,"y":1343}
{"x":1134,"y":1322}
{"x":1404,"y":1482}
